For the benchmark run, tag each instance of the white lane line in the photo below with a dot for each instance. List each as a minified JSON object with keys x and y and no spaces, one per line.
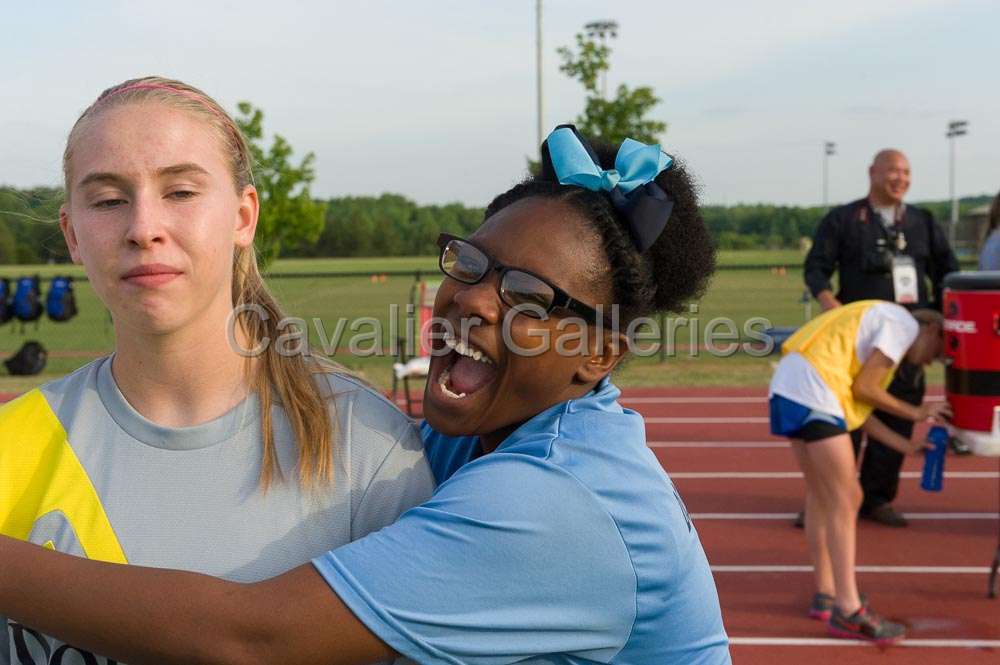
{"x":831,"y":642}
{"x":722,"y":420}
{"x":789,"y":516}
{"x":921,"y":570}
{"x":718,"y":444}
{"x":731,"y":475}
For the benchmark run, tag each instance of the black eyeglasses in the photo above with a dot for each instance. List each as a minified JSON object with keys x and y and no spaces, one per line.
{"x":533,"y":295}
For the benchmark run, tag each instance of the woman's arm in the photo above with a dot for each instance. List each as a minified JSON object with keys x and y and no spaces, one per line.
{"x":867,"y":387}
{"x":147,"y":615}
{"x":878,"y":430}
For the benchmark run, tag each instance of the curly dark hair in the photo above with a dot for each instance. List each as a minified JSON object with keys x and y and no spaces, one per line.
{"x":673,"y":271}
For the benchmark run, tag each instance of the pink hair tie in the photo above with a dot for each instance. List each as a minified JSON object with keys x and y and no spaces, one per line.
{"x":161,"y":86}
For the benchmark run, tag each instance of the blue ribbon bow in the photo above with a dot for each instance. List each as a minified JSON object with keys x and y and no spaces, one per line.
{"x":630,"y":185}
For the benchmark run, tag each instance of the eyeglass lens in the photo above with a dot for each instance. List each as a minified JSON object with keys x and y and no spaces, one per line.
{"x":466,"y":263}
{"x":520,"y":288}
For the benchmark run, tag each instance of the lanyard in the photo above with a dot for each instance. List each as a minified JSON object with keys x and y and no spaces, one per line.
{"x":895,"y":231}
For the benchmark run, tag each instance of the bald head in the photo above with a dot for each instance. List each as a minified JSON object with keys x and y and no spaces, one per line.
{"x":889,"y":175}
{"x":887,"y":155}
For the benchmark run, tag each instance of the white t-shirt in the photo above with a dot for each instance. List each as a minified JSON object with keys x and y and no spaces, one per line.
{"x":885,"y":326}
{"x":888,"y":215}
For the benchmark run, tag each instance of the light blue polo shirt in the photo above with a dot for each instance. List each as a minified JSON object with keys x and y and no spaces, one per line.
{"x":989,"y":255}
{"x":567,"y":544}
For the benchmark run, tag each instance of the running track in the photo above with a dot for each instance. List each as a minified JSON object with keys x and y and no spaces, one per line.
{"x":742,"y":489}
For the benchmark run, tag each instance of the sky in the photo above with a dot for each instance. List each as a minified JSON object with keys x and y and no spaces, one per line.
{"x":436,"y":99}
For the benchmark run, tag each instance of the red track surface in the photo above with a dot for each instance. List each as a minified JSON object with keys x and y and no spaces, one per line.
{"x":770,"y":606}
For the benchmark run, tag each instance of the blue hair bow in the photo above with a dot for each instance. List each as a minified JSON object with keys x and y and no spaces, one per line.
{"x":630,"y":185}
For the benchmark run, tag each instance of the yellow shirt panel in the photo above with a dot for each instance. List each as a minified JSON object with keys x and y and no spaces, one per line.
{"x":40,"y":473}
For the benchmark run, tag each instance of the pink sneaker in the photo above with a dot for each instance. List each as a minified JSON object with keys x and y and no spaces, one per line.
{"x":865,"y":625}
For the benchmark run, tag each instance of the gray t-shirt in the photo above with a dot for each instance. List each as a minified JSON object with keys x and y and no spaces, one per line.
{"x":82,"y":472}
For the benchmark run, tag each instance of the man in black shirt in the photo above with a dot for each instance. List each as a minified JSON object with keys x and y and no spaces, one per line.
{"x":884,"y":249}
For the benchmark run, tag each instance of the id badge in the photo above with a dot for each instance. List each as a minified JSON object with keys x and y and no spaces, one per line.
{"x":904,"y":279}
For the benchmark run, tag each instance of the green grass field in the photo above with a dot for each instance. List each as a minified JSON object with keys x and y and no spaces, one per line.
{"x":736,"y":294}
{"x":786,"y":257}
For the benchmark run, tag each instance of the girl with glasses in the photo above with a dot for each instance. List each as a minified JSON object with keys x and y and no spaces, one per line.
{"x":554,"y":535}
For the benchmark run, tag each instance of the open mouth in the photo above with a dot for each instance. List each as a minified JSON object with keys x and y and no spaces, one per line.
{"x":466,"y":369}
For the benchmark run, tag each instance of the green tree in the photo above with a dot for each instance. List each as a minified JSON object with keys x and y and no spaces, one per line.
{"x":611,"y":120}
{"x":32,"y":218}
{"x":288,"y":214}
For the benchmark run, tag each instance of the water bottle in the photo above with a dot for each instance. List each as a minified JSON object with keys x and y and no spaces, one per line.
{"x":934,"y":459}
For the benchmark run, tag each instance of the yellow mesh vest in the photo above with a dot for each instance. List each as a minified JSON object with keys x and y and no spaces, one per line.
{"x":829,"y":343}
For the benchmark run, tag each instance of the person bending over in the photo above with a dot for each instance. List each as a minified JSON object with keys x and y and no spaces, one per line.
{"x":834,"y":373}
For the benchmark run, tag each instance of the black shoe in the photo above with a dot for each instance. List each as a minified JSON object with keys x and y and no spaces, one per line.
{"x":959,"y":447}
{"x":800,"y":520}
{"x":884,"y":514}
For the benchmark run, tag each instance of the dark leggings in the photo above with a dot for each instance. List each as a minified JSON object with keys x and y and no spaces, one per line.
{"x":881,"y":465}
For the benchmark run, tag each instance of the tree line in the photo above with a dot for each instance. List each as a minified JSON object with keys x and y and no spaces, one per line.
{"x":393,"y":225}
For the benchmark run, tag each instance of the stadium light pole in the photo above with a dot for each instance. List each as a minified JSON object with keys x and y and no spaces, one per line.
{"x":538,"y":65}
{"x":956,"y":128}
{"x":602,"y":30}
{"x":829,"y":149}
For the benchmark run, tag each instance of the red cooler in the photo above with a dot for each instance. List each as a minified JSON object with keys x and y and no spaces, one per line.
{"x":972,"y":345}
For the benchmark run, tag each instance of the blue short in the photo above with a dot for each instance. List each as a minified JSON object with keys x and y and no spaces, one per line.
{"x":798,"y":421}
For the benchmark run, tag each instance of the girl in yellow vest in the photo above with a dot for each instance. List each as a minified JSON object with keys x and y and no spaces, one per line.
{"x":160,"y":454}
{"x":833,"y":375}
